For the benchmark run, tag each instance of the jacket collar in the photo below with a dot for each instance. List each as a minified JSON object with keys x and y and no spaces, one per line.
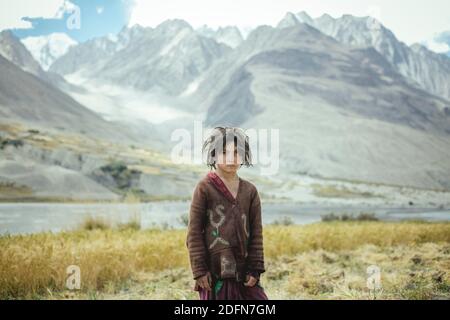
{"x":220,"y":185}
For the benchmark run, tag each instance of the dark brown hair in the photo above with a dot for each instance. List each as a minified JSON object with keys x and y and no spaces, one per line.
{"x":218,"y":141}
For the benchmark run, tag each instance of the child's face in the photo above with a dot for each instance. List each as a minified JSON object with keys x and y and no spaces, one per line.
{"x":230,"y":160}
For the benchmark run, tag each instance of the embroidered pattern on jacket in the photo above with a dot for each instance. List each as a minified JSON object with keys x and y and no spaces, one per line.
{"x":216,"y":225}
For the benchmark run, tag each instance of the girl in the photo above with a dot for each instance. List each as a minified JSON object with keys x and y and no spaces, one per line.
{"x":225,"y":239}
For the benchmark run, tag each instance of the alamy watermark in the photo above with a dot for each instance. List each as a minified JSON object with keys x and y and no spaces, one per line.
{"x":72,"y":13}
{"x":264,"y":145}
{"x":73,"y":280}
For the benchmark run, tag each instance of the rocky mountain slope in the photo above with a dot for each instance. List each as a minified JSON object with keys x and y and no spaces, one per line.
{"x":25,"y":98}
{"x":165,"y":59}
{"x":429,"y":70}
{"x":328,"y":99}
{"x":350,"y":101}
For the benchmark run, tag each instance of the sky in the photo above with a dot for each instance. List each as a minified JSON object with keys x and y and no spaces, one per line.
{"x":423,"y":21}
{"x":80,"y":19}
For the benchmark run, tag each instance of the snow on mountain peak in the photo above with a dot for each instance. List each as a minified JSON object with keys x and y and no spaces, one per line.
{"x":289,"y":20}
{"x":229,"y":35}
{"x":174,"y":26}
{"x":304,"y":17}
{"x":46,"y":49}
{"x":326,"y":17}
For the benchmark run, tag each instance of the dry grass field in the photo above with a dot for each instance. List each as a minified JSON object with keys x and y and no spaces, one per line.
{"x":326,"y":260}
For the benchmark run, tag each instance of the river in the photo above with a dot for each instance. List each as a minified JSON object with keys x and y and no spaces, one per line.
{"x":23,"y":218}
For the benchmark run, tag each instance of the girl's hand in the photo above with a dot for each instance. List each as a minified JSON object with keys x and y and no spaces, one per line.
{"x":250,"y":281}
{"x":205,"y":281}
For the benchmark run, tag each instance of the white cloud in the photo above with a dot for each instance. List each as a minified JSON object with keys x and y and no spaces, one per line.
{"x":439,"y":47}
{"x":410,"y":20}
{"x":100,"y":10}
{"x":12,"y":12}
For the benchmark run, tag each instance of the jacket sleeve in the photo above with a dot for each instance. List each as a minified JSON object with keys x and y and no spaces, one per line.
{"x":255,"y":258}
{"x":195,"y":237}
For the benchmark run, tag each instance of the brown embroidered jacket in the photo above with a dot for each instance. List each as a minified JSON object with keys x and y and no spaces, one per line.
{"x":225,"y":233}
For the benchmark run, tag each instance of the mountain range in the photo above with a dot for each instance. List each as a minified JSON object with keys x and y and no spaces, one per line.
{"x":46,"y":49}
{"x":27,"y":99}
{"x":427,"y":69}
{"x":165,"y":59}
{"x":351,"y":101}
